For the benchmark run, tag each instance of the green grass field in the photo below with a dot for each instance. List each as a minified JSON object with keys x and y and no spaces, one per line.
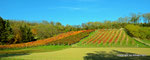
{"x":81,"y":53}
{"x":24,"y":51}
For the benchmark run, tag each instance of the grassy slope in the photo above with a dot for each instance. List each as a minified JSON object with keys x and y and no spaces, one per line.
{"x":127,"y":41}
{"x":76,"y":53}
{"x":146,"y":41}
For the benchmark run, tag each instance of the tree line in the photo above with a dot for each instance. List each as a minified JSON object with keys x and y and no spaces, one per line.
{"x":12,"y":31}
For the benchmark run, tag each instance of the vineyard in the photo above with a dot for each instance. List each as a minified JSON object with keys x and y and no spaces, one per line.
{"x":61,"y":39}
{"x":71,"y":39}
{"x":109,"y":38}
{"x":85,"y":38}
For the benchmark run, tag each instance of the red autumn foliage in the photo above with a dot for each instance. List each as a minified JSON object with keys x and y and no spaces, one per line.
{"x":93,"y":37}
{"x":99,"y":36}
{"x":118,"y":37}
{"x":102,"y":38}
{"x":110,"y":41}
{"x":42,"y":42}
{"x":107,"y":38}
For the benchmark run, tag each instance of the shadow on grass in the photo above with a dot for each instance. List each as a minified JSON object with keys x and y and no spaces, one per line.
{"x":9,"y":54}
{"x":115,"y":55}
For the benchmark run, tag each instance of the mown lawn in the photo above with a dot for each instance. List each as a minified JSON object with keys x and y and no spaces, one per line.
{"x":26,"y":51}
{"x":86,"y":54}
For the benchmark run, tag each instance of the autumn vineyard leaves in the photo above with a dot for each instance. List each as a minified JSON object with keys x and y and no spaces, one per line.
{"x":85,"y":38}
{"x":105,"y":36}
{"x":64,"y":38}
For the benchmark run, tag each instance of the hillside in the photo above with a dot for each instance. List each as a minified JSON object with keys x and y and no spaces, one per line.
{"x":77,"y":43}
{"x":109,"y":38}
{"x":86,"y":38}
{"x":68,"y":38}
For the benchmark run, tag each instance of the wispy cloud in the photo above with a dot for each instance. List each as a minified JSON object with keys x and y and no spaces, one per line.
{"x":81,"y":0}
{"x":71,"y":8}
{"x":67,"y":8}
{"x":87,"y":0}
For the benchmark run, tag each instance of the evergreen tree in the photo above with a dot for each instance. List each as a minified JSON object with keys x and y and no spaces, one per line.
{"x":26,"y":33}
{"x":6,"y":33}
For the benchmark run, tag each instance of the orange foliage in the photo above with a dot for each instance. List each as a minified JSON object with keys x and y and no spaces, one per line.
{"x":42,"y":42}
{"x":34,"y":31}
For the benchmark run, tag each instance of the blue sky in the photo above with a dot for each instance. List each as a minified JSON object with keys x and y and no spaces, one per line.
{"x":71,"y":12}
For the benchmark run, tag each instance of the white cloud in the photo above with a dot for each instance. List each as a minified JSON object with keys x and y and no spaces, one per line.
{"x":87,"y":0}
{"x":67,"y":8}
{"x":81,"y":0}
{"x":71,"y":8}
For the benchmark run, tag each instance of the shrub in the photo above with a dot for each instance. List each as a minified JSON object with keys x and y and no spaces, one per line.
{"x":137,"y":31}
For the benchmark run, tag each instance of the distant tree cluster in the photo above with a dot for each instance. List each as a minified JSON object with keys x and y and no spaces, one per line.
{"x":10,"y":34}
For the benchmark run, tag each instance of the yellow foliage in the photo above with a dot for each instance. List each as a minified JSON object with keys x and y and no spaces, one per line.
{"x":34,"y":31}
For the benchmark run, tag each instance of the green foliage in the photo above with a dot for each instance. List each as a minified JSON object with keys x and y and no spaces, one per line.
{"x":6,"y":34}
{"x":46,"y":30}
{"x":26,"y":34}
{"x":22,"y":31}
{"x":72,"y":28}
{"x":105,"y":25}
{"x":139,"y":32}
{"x":16,"y":29}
